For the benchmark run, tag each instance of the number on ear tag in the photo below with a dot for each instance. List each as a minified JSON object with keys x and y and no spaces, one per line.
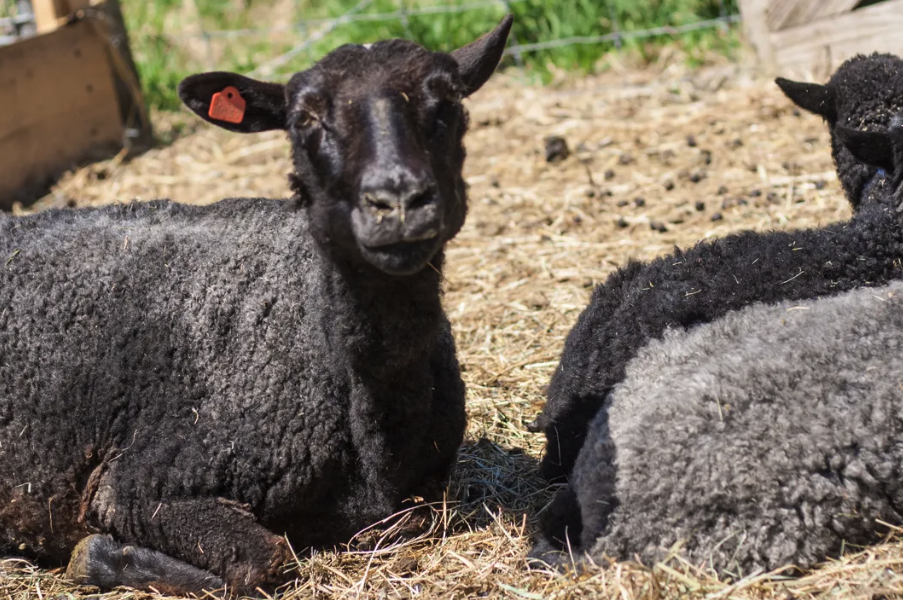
{"x":228,"y":106}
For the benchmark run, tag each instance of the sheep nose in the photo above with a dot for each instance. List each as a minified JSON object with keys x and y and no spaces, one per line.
{"x":390,"y":192}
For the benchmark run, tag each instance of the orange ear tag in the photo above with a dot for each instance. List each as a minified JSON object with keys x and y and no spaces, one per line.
{"x":228,"y":106}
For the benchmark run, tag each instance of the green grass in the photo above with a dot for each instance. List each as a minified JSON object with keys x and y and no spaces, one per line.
{"x":8,"y":8}
{"x":169,"y":47}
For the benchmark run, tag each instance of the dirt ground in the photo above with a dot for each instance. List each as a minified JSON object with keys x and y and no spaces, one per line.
{"x":659,"y":157}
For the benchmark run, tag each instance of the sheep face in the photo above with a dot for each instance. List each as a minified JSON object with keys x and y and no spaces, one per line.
{"x":381,"y":130}
{"x":377,"y":142}
{"x":879,"y":149}
{"x":864,"y":93}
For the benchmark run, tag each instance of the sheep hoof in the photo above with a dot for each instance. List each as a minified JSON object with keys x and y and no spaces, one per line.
{"x":86,"y":554}
{"x":101,"y":561}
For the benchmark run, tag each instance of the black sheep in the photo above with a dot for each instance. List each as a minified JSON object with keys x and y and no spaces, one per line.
{"x":206,"y":382}
{"x":639,"y":301}
{"x":864,"y":93}
{"x":767,"y":437}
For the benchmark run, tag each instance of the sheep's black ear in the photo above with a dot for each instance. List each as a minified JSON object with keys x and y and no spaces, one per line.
{"x":874,"y":148}
{"x":239,"y":103}
{"x":477,"y":60}
{"x":815,"y":98}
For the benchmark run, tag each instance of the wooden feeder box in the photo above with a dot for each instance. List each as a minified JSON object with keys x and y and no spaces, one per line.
{"x":67,"y":95}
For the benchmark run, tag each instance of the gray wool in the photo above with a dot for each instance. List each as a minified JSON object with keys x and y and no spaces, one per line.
{"x":771,"y":436}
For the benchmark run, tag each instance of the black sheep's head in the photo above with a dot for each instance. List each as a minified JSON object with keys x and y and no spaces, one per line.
{"x":881,"y":150}
{"x":377,"y":141}
{"x":864,"y":93}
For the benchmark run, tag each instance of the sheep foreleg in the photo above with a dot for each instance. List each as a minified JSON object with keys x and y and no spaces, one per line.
{"x":186,"y":546}
{"x":100,"y":560}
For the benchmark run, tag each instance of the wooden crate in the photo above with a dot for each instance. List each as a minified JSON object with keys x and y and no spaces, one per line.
{"x":809,"y":39}
{"x":67,"y":96}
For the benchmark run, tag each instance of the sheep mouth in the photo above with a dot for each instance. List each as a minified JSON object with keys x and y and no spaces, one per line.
{"x":402,"y":258}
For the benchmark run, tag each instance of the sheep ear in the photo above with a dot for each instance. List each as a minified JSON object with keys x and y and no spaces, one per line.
{"x":238,"y":103}
{"x":477,"y":60}
{"x":873,"y":148}
{"x":815,"y":98}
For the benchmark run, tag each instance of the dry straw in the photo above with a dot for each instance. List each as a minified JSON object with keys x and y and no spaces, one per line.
{"x":647,"y":147}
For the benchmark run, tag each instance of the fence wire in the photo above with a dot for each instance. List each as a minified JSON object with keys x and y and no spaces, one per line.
{"x":624,"y":35}
{"x":273,"y":64}
{"x":316,"y":30}
{"x":516,"y":50}
{"x":350,"y":17}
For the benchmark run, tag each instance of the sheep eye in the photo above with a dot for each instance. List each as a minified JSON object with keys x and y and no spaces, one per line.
{"x":310,"y":107}
{"x":306,"y":120}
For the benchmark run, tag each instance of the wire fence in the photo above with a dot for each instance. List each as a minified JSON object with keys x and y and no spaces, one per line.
{"x":19,"y":22}
{"x":352,"y":16}
{"x":515,"y":49}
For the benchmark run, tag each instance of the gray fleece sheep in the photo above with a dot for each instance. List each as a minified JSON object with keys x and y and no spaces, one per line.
{"x":203,"y":383}
{"x":794,"y":386}
{"x":700,"y":284}
{"x":772,"y":436}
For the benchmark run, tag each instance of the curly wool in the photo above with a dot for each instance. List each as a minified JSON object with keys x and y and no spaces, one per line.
{"x":766,"y":438}
{"x":192,"y":353}
{"x":639,"y":302}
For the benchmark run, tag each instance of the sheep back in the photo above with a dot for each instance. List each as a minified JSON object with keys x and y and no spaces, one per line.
{"x":770,"y":436}
{"x":698,"y":285}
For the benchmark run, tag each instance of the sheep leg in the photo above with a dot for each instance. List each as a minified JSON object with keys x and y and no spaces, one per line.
{"x":100,"y":560}
{"x":449,"y":419}
{"x":213,"y":535}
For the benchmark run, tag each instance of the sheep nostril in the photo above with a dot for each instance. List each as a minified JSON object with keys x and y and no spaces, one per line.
{"x":420,"y":200}
{"x":378,"y":203}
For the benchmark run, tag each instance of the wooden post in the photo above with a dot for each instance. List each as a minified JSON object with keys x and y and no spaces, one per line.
{"x":816,"y":48}
{"x":755,"y":27}
{"x":47,"y":13}
{"x":787,"y":13}
{"x":809,"y":39}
